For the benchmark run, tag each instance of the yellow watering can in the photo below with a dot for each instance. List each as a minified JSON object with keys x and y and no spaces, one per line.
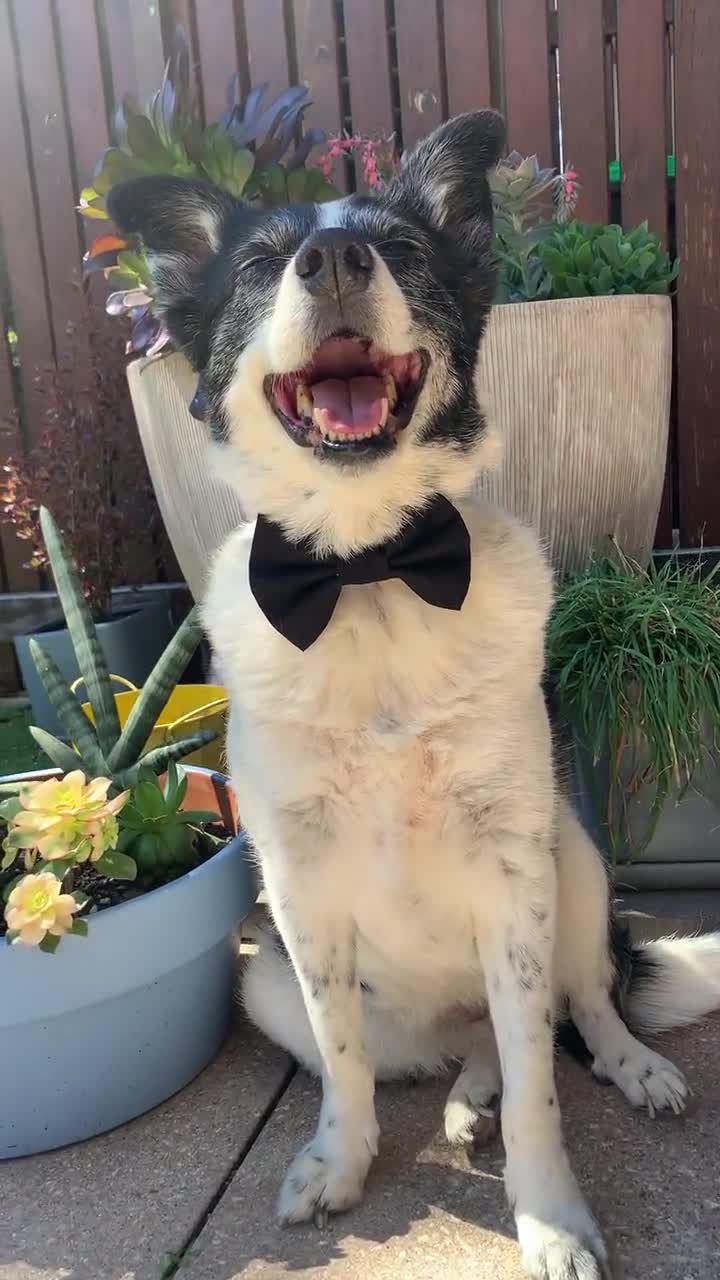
{"x":189,"y":708}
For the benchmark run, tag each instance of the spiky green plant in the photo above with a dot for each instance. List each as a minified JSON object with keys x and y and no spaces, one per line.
{"x":635,"y":657}
{"x":103,"y":749}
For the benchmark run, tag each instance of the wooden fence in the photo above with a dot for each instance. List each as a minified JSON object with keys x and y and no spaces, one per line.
{"x":628,"y":91}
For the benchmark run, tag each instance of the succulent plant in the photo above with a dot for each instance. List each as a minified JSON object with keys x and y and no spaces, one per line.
{"x":584,"y":260}
{"x":247,"y":152}
{"x":103,"y":749}
{"x":156,"y":832}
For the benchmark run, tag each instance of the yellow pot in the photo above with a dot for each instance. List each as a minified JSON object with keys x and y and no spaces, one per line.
{"x":189,"y":708}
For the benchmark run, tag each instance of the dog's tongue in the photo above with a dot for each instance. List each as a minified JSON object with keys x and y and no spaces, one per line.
{"x":351,"y":404}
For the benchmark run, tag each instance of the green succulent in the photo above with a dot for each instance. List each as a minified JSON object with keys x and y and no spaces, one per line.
{"x":156,"y":832}
{"x":582,"y":260}
{"x":251,"y":151}
{"x":103,"y":749}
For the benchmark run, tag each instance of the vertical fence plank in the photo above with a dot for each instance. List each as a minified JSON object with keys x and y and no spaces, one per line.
{"x":121,"y":52}
{"x":13,"y":553}
{"x":84,"y":90}
{"x":21,"y":239}
{"x":147,"y":46}
{"x":641,"y":54}
{"x":368,"y":55}
{"x":217,"y":45}
{"x":51,"y":163}
{"x":526,"y":61}
{"x":697,"y":110}
{"x":419,"y":68}
{"x":467,"y":55}
{"x":581,"y":51}
{"x":267,"y":46}
{"x":317,"y":60}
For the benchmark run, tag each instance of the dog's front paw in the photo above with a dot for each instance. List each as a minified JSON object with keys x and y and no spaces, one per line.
{"x":323,"y":1180}
{"x":567,"y":1251}
{"x":646,"y":1079}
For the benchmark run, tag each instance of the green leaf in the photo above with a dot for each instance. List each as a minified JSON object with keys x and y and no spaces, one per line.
{"x":9,"y":856}
{"x":68,"y":709}
{"x":10,"y":807}
{"x":199,"y":817}
{"x":89,"y":654}
{"x":605,"y":279}
{"x":149,"y":800}
{"x":80,"y":928}
{"x":117,"y":166}
{"x":58,"y":866}
{"x":50,"y":943}
{"x":116,"y":865}
{"x":584,"y":257}
{"x":59,"y":752}
{"x":155,"y":692}
{"x":145,"y":144}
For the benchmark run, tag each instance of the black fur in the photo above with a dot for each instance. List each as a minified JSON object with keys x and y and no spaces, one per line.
{"x":217,"y":263}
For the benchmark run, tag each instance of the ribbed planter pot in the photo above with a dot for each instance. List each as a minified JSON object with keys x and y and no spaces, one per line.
{"x":580,"y":391}
{"x":198,"y":511}
{"x":113,"y":1024}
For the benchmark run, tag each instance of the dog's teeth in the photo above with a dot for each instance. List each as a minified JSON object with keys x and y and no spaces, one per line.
{"x":383,"y":414}
{"x":304,"y":401}
{"x":390,"y":391}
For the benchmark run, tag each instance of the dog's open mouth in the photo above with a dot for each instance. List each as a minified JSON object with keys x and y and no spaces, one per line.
{"x":351,"y":399}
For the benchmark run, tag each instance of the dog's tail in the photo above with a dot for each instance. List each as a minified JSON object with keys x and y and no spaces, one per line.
{"x":671,"y":982}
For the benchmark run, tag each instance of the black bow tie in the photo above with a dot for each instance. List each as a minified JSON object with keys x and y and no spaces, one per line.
{"x":297,"y":591}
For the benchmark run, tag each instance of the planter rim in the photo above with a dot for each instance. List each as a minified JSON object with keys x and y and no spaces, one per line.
{"x":119,"y":613}
{"x":630,"y":301}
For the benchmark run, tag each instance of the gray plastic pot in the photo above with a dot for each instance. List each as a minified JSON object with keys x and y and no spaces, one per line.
{"x":684,"y":850}
{"x":132,"y":642}
{"x":112,"y":1024}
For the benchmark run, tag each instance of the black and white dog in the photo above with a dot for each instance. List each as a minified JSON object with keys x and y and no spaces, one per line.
{"x":382,"y":640}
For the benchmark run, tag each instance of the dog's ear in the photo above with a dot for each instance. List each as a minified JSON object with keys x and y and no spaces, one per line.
{"x":180,"y":222}
{"x":444,"y":177}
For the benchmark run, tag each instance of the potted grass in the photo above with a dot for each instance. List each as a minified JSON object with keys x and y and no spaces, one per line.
{"x":250,"y":152}
{"x":88,"y":468}
{"x":634,"y":656}
{"x":122,"y":879}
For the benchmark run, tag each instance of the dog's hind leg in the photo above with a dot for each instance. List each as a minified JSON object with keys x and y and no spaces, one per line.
{"x":584,"y":974}
{"x":471,"y":1111}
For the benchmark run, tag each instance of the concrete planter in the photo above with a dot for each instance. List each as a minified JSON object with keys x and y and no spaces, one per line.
{"x":580,"y":390}
{"x":114,"y":1023}
{"x":132,"y":641}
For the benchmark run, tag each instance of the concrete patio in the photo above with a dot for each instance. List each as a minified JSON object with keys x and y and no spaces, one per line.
{"x":189,"y":1189}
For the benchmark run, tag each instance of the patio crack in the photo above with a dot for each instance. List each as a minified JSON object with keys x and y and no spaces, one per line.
{"x":173,"y":1262}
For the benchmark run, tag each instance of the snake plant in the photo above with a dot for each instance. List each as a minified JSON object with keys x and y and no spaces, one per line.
{"x":103,"y":748}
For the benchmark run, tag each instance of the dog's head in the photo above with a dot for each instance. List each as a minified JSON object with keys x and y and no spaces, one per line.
{"x":337,"y":342}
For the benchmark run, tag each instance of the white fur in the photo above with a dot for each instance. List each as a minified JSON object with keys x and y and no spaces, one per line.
{"x":397,"y":781}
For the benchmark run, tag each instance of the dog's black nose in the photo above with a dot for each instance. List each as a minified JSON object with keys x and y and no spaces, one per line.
{"x":334,"y":261}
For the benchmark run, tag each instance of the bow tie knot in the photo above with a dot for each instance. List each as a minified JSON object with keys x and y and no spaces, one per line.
{"x":298,"y":591}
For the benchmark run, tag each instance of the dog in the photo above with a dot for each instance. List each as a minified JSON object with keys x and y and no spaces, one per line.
{"x":435,"y":897}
